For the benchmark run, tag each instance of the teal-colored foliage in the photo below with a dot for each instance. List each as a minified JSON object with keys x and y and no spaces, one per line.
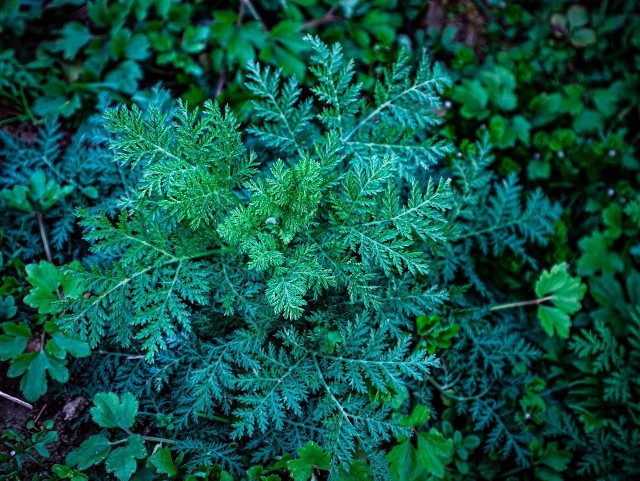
{"x":46,"y":178}
{"x":297,"y":260}
{"x":313,"y":282}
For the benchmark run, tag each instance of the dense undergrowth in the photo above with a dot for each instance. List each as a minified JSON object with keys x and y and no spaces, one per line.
{"x":229,"y":251}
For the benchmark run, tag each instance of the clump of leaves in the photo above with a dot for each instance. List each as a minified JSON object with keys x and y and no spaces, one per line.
{"x":292,"y":270}
{"x":19,"y":448}
{"x":111,"y":411}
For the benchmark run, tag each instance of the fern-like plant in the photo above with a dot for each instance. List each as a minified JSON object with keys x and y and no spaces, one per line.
{"x":271,"y":291}
{"x":291,"y":269}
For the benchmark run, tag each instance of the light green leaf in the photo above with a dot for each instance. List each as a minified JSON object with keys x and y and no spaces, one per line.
{"x":64,"y":345}
{"x":419,"y":416}
{"x":17,"y":198}
{"x":110,"y":411}
{"x":358,"y":471}
{"x":555,"y":458}
{"x":565,"y":292}
{"x":553,"y":319}
{"x":435,"y":452}
{"x":162,"y":461}
{"x":473,"y":97}
{"x":64,"y":472}
{"x":309,"y":455}
{"x":90,"y":452}
{"x":45,"y":279}
{"x":122,"y":461}
{"x":15,"y":340}
{"x":404,"y":464}
{"x":34,"y":366}
{"x":471,"y":442}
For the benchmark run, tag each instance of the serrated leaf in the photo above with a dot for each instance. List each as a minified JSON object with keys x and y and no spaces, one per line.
{"x":565,"y":292}
{"x":124,"y":77}
{"x":45,"y":280}
{"x":596,"y":255}
{"x":122,"y":461}
{"x":419,"y":416}
{"x":309,"y":456}
{"x":90,"y":452}
{"x":35,"y":366}
{"x":555,"y":458}
{"x":17,"y":198}
{"x":110,"y":411}
{"x":162,"y":461}
{"x":435,"y":452}
{"x":195,"y":38}
{"x":404,"y":464}
{"x":66,"y":345}
{"x":137,"y":47}
{"x":74,"y":36}
{"x":358,"y":471}
{"x":8,"y":307}
{"x":553,"y":319}
{"x":15,"y":340}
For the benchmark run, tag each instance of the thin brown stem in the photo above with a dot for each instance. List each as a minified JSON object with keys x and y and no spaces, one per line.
{"x":16,"y":400}
{"x":159,"y":440}
{"x":43,"y":236}
{"x":240,"y":13}
{"x":222,"y":79}
{"x":255,"y":14}
{"x":533,"y":302}
{"x":328,"y":18}
{"x":151,"y":439}
{"x":40,"y":413}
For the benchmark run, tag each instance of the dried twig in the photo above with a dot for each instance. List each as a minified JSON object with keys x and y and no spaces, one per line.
{"x":16,"y":400}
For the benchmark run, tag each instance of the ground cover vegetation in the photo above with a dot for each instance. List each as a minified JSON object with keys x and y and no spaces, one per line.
{"x":389,"y":240}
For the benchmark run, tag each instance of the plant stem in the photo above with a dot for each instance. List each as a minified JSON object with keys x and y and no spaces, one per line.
{"x":533,"y":302}
{"x":255,"y":14}
{"x":221,"y":81}
{"x":328,"y":18}
{"x":43,"y":235}
{"x":122,"y":354}
{"x":159,"y":440}
{"x":151,"y":439}
{"x":16,"y":400}
{"x":443,"y":390}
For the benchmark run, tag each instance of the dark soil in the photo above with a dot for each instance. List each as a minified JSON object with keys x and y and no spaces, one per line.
{"x":64,"y":411}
